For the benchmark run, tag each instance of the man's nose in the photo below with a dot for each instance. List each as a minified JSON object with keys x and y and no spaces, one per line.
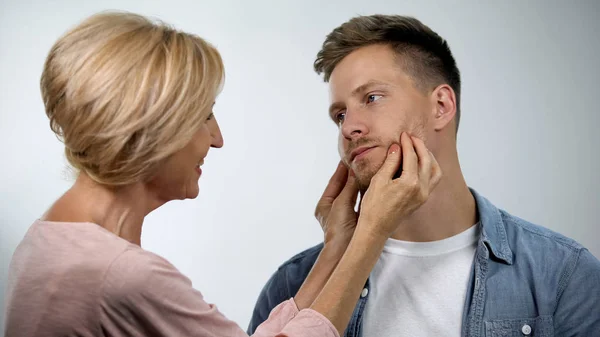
{"x":354,"y":125}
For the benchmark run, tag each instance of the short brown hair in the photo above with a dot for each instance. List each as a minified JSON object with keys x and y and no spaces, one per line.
{"x":426,"y":55}
{"x":124,"y":92}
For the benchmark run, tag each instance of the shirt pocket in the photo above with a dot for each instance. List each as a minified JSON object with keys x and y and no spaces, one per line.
{"x":542,"y":326}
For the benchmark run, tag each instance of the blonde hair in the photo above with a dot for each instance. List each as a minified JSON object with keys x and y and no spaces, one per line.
{"x":124,"y":93}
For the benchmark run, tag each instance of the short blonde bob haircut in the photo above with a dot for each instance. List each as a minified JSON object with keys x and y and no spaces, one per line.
{"x":124,"y":93}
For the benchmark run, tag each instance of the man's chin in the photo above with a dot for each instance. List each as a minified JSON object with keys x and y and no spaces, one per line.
{"x":364,"y":180}
{"x":365,"y":174}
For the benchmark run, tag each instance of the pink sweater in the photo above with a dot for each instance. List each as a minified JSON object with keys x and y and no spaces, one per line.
{"x":78,"y":279}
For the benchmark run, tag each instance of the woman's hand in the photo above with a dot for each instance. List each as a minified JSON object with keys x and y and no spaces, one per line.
{"x":388,"y":200}
{"x":335,"y":210}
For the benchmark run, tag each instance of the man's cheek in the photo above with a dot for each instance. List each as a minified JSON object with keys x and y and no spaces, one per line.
{"x":378,"y":159}
{"x":342,"y":149}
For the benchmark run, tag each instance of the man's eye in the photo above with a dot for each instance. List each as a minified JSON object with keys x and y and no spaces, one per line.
{"x":373,"y":98}
{"x":340,"y":117}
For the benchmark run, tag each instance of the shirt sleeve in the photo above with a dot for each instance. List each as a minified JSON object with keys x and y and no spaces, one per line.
{"x":286,"y":320}
{"x":145,"y":295}
{"x":578,"y":309}
{"x":273,"y":293}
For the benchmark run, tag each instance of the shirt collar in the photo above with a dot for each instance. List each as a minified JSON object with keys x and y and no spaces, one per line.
{"x":493,"y":232}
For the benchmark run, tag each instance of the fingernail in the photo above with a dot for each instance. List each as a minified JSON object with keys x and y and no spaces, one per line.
{"x":393,"y":149}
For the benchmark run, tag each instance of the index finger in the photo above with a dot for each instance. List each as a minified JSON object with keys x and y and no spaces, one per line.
{"x":409,"y":156}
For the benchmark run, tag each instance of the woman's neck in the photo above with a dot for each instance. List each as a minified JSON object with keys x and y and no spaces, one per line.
{"x":120,"y":210}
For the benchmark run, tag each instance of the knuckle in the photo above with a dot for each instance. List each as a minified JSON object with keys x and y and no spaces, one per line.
{"x":423,"y":195}
{"x":320,"y":212}
{"x":319,"y":217}
{"x":427,"y":161}
{"x":437,"y":176}
{"x":413,"y":183}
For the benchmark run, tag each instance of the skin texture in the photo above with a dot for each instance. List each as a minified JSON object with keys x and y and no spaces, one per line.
{"x":373,"y":100}
{"x":387,"y":201}
{"x":121,"y":210}
{"x":352,"y":247}
{"x":353,"y":240}
{"x":177,"y":177}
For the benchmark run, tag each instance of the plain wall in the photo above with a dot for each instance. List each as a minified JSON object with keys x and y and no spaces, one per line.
{"x":528,"y":137}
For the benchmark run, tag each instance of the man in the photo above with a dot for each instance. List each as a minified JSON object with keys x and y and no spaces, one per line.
{"x":458,"y":266}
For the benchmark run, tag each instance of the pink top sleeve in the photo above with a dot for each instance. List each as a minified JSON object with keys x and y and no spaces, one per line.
{"x":144,"y":294}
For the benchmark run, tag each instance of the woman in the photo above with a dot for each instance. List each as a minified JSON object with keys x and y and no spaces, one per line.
{"x":132,"y":100}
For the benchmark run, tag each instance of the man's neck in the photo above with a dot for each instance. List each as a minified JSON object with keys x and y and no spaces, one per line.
{"x":450,"y":210}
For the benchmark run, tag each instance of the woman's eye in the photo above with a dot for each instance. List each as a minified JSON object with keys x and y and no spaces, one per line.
{"x":373,"y":98}
{"x":210,"y":116}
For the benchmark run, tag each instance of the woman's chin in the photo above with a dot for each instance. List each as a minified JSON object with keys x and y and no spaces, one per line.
{"x":192,"y":193}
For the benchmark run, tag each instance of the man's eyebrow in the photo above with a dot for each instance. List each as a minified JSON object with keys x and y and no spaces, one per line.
{"x":365,"y":87}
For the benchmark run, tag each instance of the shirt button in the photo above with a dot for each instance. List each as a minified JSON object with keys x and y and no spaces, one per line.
{"x":526,"y":330}
{"x":364,"y":293}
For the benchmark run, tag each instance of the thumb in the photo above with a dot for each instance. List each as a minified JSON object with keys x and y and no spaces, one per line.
{"x":350,"y":192}
{"x":391,"y":164}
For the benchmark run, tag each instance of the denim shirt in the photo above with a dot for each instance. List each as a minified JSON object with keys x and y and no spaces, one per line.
{"x":525,"y":281}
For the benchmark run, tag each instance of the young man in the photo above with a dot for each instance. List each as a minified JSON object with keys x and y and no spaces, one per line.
{"x":458,"y":266}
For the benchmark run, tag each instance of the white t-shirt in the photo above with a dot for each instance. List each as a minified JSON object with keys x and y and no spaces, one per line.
{"x":419,"y":288}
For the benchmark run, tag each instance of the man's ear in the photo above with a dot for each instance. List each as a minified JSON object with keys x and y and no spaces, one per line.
{"x":444,"y":103}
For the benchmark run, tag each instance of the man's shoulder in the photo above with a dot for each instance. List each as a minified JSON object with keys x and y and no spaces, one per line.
{"x":291,"y":274}
{"x":555,"y":269}
{"x":283,"y":284}
{"x":508,"y":232}
{"x":539,"y":249}
{"x":520,"y":231}
{"x":304,"y":258}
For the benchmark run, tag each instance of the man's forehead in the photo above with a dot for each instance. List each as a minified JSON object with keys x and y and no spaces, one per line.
{"x":360,"y":85}
{"x":350,"y":78}
{"x":360,"y":68}
{"x":340,"y":90}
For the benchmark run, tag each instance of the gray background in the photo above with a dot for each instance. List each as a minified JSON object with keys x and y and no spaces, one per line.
{"x":527,"y":140}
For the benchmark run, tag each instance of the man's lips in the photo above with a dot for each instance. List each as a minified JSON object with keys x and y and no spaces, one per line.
{"x":360,"y":152}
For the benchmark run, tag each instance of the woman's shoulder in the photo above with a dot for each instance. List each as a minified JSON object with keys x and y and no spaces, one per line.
{"x":68,"y":247}
{"x":138,"y":273}
{"x":57,"y":272}
{"x":138,"y":263}
{"x":145,"y":283}
{"x":98,"y":256}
